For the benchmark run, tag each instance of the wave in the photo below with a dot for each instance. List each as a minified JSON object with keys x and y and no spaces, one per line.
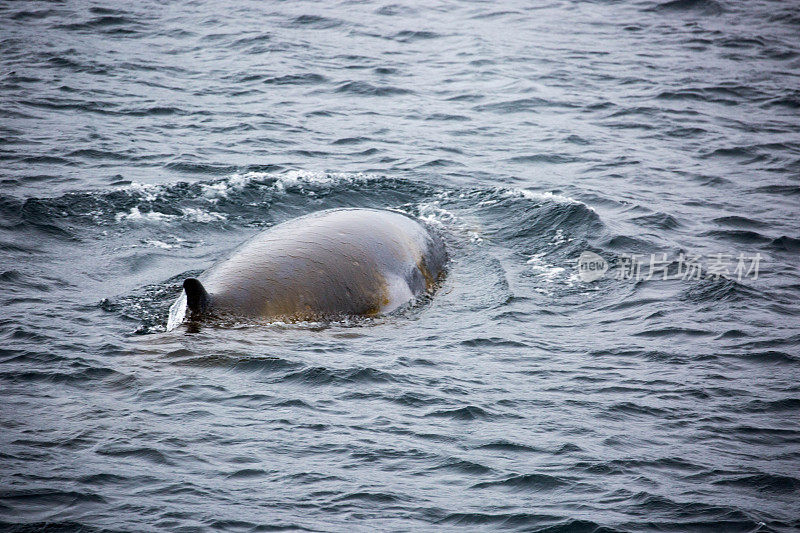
{"x":315,"y":22}
{"x":525,"y":482}
{"x":364,"y":88}
{"x":544,"y":230}
{"x":705,"y":7}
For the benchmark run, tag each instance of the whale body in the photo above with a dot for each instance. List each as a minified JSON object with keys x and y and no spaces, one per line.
{"x":326,"y":265}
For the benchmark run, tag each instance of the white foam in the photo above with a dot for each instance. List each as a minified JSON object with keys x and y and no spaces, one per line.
{"x":148,"y":191}
{"x":149,"y":216}
{"x":169,"y":243}
{"x":545,"y":271}
{"x":221,"y":189}
{"x":544,"y":197}
{"x":191,"y":213}
{"x":177,"y":312}
{"x":201,"y":215}
{"x":295,"y":178}
{"x":434,"y":214}
{"x":160,"y":244}
{"x":559,"y":238}
{"x":213,"y":192}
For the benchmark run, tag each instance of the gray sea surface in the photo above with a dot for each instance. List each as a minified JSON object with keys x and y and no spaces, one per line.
{"x":140,"y":142}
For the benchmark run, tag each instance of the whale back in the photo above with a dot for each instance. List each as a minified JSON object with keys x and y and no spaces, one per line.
{"x":326,"y":264}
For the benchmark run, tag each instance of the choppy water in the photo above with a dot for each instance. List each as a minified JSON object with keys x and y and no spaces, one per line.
{"x":140,"y":144}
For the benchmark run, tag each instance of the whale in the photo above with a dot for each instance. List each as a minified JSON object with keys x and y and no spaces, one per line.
{"x":326,"y":265}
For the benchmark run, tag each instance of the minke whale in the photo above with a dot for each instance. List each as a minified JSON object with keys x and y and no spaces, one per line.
{"x":325,"y":265}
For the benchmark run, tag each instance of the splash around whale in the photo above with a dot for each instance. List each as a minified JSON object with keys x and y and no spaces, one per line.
{"x":326,"y":265}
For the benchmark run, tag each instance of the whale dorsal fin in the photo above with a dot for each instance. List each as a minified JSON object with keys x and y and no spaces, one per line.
{"x":197,"y":299}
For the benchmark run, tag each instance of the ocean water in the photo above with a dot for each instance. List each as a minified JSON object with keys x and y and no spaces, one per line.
{"x":140,"y":143}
